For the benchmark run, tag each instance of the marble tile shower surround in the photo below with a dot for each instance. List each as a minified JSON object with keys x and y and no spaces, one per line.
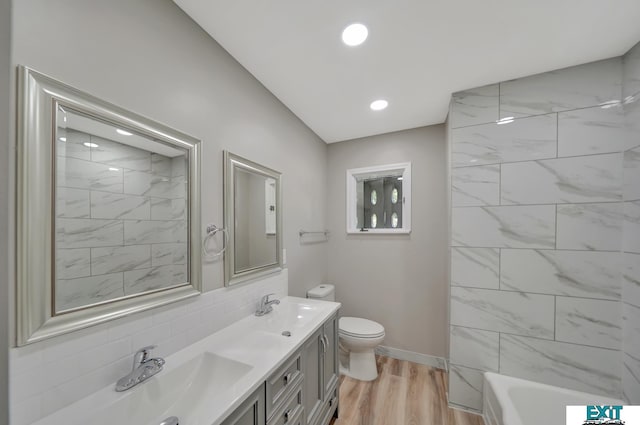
{"x":52,"y":374}
{"x":121,"y":220}
{"x":545,"y":230}
{"x":631,"y":229}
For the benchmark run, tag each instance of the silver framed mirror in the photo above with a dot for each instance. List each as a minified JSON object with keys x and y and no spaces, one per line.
{"x":108,"y":211}
{"x":253,"y":219}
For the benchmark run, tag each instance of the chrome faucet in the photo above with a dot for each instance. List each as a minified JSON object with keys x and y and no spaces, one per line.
{"x":266,"y":305}
{"x":143,"y":369}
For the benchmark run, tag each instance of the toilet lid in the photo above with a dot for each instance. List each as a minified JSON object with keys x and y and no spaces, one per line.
{"x":355,"y":326}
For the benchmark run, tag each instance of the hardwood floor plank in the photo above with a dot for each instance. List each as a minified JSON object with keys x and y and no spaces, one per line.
{"x":405,"y":393}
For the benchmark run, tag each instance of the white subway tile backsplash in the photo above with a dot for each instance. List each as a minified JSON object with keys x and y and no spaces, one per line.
{"x":577,"y":87}
{"x":594,"y":178}
{"x":590,"y":226}
{"x":117,"y":206}
{"x":161,"y":165}
{"x":475,"y":106}
{"x":589,"y":274}
{"x":120,"y":258}
{"x":465,"y":387}
{"x":631,"y":380}
{"x":589,"y":322}
{"x":522,"y":140}
{"x":475,"y":348}
{"x":632,"y":120}
{"x":502,"y":311}
{"x":591,"y":131}
{"x":475,"y":186}
{"x":504,"y":227}
{"x":475,"y":267}
{"x":72,"y":203}
{"x":148,"y":184}
{"x":589,"y":369}
{"x":168,"y":209}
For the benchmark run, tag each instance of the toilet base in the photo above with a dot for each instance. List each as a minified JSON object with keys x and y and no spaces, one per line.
{"x":362,"y":366}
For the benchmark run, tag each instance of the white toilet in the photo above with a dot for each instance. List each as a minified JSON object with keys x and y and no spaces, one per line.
{"x":358,"y":338}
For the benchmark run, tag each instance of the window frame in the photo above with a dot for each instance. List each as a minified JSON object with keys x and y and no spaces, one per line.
{"x":353,"y":174}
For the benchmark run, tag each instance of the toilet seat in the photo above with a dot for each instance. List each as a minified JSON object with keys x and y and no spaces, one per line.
{"x":357,"y":327}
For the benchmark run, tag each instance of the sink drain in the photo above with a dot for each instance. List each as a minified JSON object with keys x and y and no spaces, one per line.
{"x":286,"y":333}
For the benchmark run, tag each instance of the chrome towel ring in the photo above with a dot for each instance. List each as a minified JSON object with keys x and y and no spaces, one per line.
{"x":212,"y":230}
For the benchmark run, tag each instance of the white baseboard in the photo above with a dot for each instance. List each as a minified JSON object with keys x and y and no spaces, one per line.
{"x":425,"y":359}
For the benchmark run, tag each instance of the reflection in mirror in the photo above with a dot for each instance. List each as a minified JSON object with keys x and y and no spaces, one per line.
{"x":121,"y":213}
{"x":252,"y":218}
{"x":254,"y":243}
{"x":107,"y":211}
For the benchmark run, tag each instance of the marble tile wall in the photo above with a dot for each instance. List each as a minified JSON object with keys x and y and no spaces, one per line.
{"x":539,"y":210}
{"x":631,"y":229}
{"x":120,"y":222}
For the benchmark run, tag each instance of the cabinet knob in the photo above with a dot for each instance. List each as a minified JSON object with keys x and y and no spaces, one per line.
{"x":287,"y":416}
{"x":287,"y":378}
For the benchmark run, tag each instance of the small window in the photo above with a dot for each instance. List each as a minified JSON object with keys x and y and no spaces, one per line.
{"x":379,"y":199}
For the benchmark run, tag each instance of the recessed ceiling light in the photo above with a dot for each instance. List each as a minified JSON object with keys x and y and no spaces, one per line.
{"x":354,"y":34}
{"x":505,"y":120}
{"x":379,"y":105}
{"x":62,"y":139}
{"x":90,"y":145}
{"x":113,"y":169}
{"x":124,"y":133}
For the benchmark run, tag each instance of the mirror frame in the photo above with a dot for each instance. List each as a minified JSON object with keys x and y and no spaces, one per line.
{"x":38,"y":99}
{"x":231,"y":162}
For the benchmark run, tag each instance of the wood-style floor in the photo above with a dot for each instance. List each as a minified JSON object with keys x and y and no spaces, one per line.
{"x":405,"y":393}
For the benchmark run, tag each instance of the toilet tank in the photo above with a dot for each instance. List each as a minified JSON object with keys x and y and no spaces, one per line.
{"x":324,"y":292}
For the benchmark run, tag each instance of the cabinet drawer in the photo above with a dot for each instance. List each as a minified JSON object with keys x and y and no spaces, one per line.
{"x":282,"y":382}
{"x":291,"y":413}
{"x":328,"y":408}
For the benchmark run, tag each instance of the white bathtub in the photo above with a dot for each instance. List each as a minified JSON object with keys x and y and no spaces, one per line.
{"x":513,"y":401}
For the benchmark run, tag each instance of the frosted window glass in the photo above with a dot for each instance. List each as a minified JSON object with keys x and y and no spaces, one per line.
{"x":374,"y":221}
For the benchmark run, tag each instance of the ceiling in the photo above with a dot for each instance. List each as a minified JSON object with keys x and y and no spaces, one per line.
{"x":418,"y":51}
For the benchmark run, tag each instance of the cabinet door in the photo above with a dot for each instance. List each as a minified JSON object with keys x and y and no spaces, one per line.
{"x":331,"y":365}
{"x":251,"y":412}
{"x":313,"y":386}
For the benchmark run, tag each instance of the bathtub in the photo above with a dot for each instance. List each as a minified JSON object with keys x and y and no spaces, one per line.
{"x":513,"y":401}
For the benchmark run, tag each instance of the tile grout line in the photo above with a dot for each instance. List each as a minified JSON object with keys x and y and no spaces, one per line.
{"x":550,"y":158}
{"x":512,"y":291}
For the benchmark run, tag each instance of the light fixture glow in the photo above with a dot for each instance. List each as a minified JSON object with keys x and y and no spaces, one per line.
{"x":379,"y":105}
{"x":90,"y":145}
{"x":62,"y":139}
{"x":113,"y":169}
{"x":400,"y":178}
{"x":124,"y":133}
{"x":505,"y":120}
{"x":355,"y":34}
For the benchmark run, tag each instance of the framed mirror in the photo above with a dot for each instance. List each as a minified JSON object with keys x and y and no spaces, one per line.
{"x":253,"y":219}
{"x":108,"y":211}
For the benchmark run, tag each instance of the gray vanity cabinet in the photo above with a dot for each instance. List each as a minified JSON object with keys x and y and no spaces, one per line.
{"x":250,"y":412}
{"x":320,"y":364}
{"x":303,"y":391}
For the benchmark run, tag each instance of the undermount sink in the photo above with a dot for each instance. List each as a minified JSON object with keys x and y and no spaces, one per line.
{"x":287,"y":316}
{"x":182,"y":392}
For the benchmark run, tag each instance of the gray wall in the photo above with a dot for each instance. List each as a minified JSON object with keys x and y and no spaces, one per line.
{"x":5,"y":96}
{"x":631,"y":232}
{"x":159,"y":63}
{"x":396,"y":280}
{"x":537,"y":232}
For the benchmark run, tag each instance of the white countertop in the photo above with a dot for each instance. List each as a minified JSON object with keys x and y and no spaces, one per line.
{"x":254,"y":341}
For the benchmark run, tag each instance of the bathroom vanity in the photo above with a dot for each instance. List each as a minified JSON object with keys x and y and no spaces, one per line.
{"x":281,"y":368}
